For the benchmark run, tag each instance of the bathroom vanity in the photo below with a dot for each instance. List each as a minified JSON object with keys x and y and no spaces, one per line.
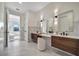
{"x":60,"y":40}
{"x":35,"y":36}
{"x":67,"y":43}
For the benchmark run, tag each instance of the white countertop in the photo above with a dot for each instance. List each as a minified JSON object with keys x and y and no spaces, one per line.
{"x":50,"y":34}
{"x":73,"y":37}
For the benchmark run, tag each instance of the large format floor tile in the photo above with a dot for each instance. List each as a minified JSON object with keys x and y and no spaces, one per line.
{"x":22,"y":48}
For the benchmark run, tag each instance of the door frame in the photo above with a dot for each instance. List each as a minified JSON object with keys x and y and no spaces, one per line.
{"x":6,"y":15}
{"x":5,"y":27}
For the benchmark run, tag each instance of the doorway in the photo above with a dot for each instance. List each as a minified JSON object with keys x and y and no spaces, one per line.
{"x":13,"y":27}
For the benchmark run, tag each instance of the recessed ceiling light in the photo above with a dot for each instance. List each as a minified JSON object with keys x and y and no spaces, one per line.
{"x":20,"y":2}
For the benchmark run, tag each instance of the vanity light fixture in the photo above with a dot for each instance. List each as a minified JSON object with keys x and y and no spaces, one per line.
{"x":56,"y":12}
{"x":55,"y":22}
{"x":56,"y":16}
{"x":41,"y":16}
{"x":41,"y":20}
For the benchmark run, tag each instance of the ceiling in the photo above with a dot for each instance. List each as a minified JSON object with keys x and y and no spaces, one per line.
{"x":25,"y":6}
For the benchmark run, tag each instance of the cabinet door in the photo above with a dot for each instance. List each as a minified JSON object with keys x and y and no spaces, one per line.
{"x":34,"y":37}
{"x":66,"y":44}
{"x":64,"y":47}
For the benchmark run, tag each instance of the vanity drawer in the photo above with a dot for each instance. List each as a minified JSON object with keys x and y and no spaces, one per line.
{"x":70,"y":45}
{"x":65,"y":41}
{"x":65,"y":48}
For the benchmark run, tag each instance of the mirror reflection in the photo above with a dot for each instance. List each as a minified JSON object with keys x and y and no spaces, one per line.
{"x":63,"y":22}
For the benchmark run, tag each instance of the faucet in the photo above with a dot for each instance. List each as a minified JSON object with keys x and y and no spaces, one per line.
{"x":64,"y":33}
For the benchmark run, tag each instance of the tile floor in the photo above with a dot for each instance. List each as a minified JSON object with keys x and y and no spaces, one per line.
{"x":22,"y":48}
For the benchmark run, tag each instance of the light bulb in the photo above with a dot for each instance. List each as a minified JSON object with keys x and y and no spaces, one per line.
{"x":41,"y":17}
{"x":56,"y":11}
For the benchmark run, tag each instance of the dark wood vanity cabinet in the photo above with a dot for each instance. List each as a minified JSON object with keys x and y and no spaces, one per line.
{"x":67,"y":44}
{"x":34,"y":37}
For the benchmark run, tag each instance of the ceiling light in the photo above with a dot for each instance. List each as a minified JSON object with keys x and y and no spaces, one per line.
{"x":20,"y":2}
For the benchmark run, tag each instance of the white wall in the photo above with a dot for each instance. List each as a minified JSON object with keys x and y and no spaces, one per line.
{"x":33,"y":23}
{"x":1,"y":11}
{"x":2,"y":19}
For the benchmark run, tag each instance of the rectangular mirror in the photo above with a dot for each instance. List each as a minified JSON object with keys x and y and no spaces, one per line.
{"x":66,"y":21}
